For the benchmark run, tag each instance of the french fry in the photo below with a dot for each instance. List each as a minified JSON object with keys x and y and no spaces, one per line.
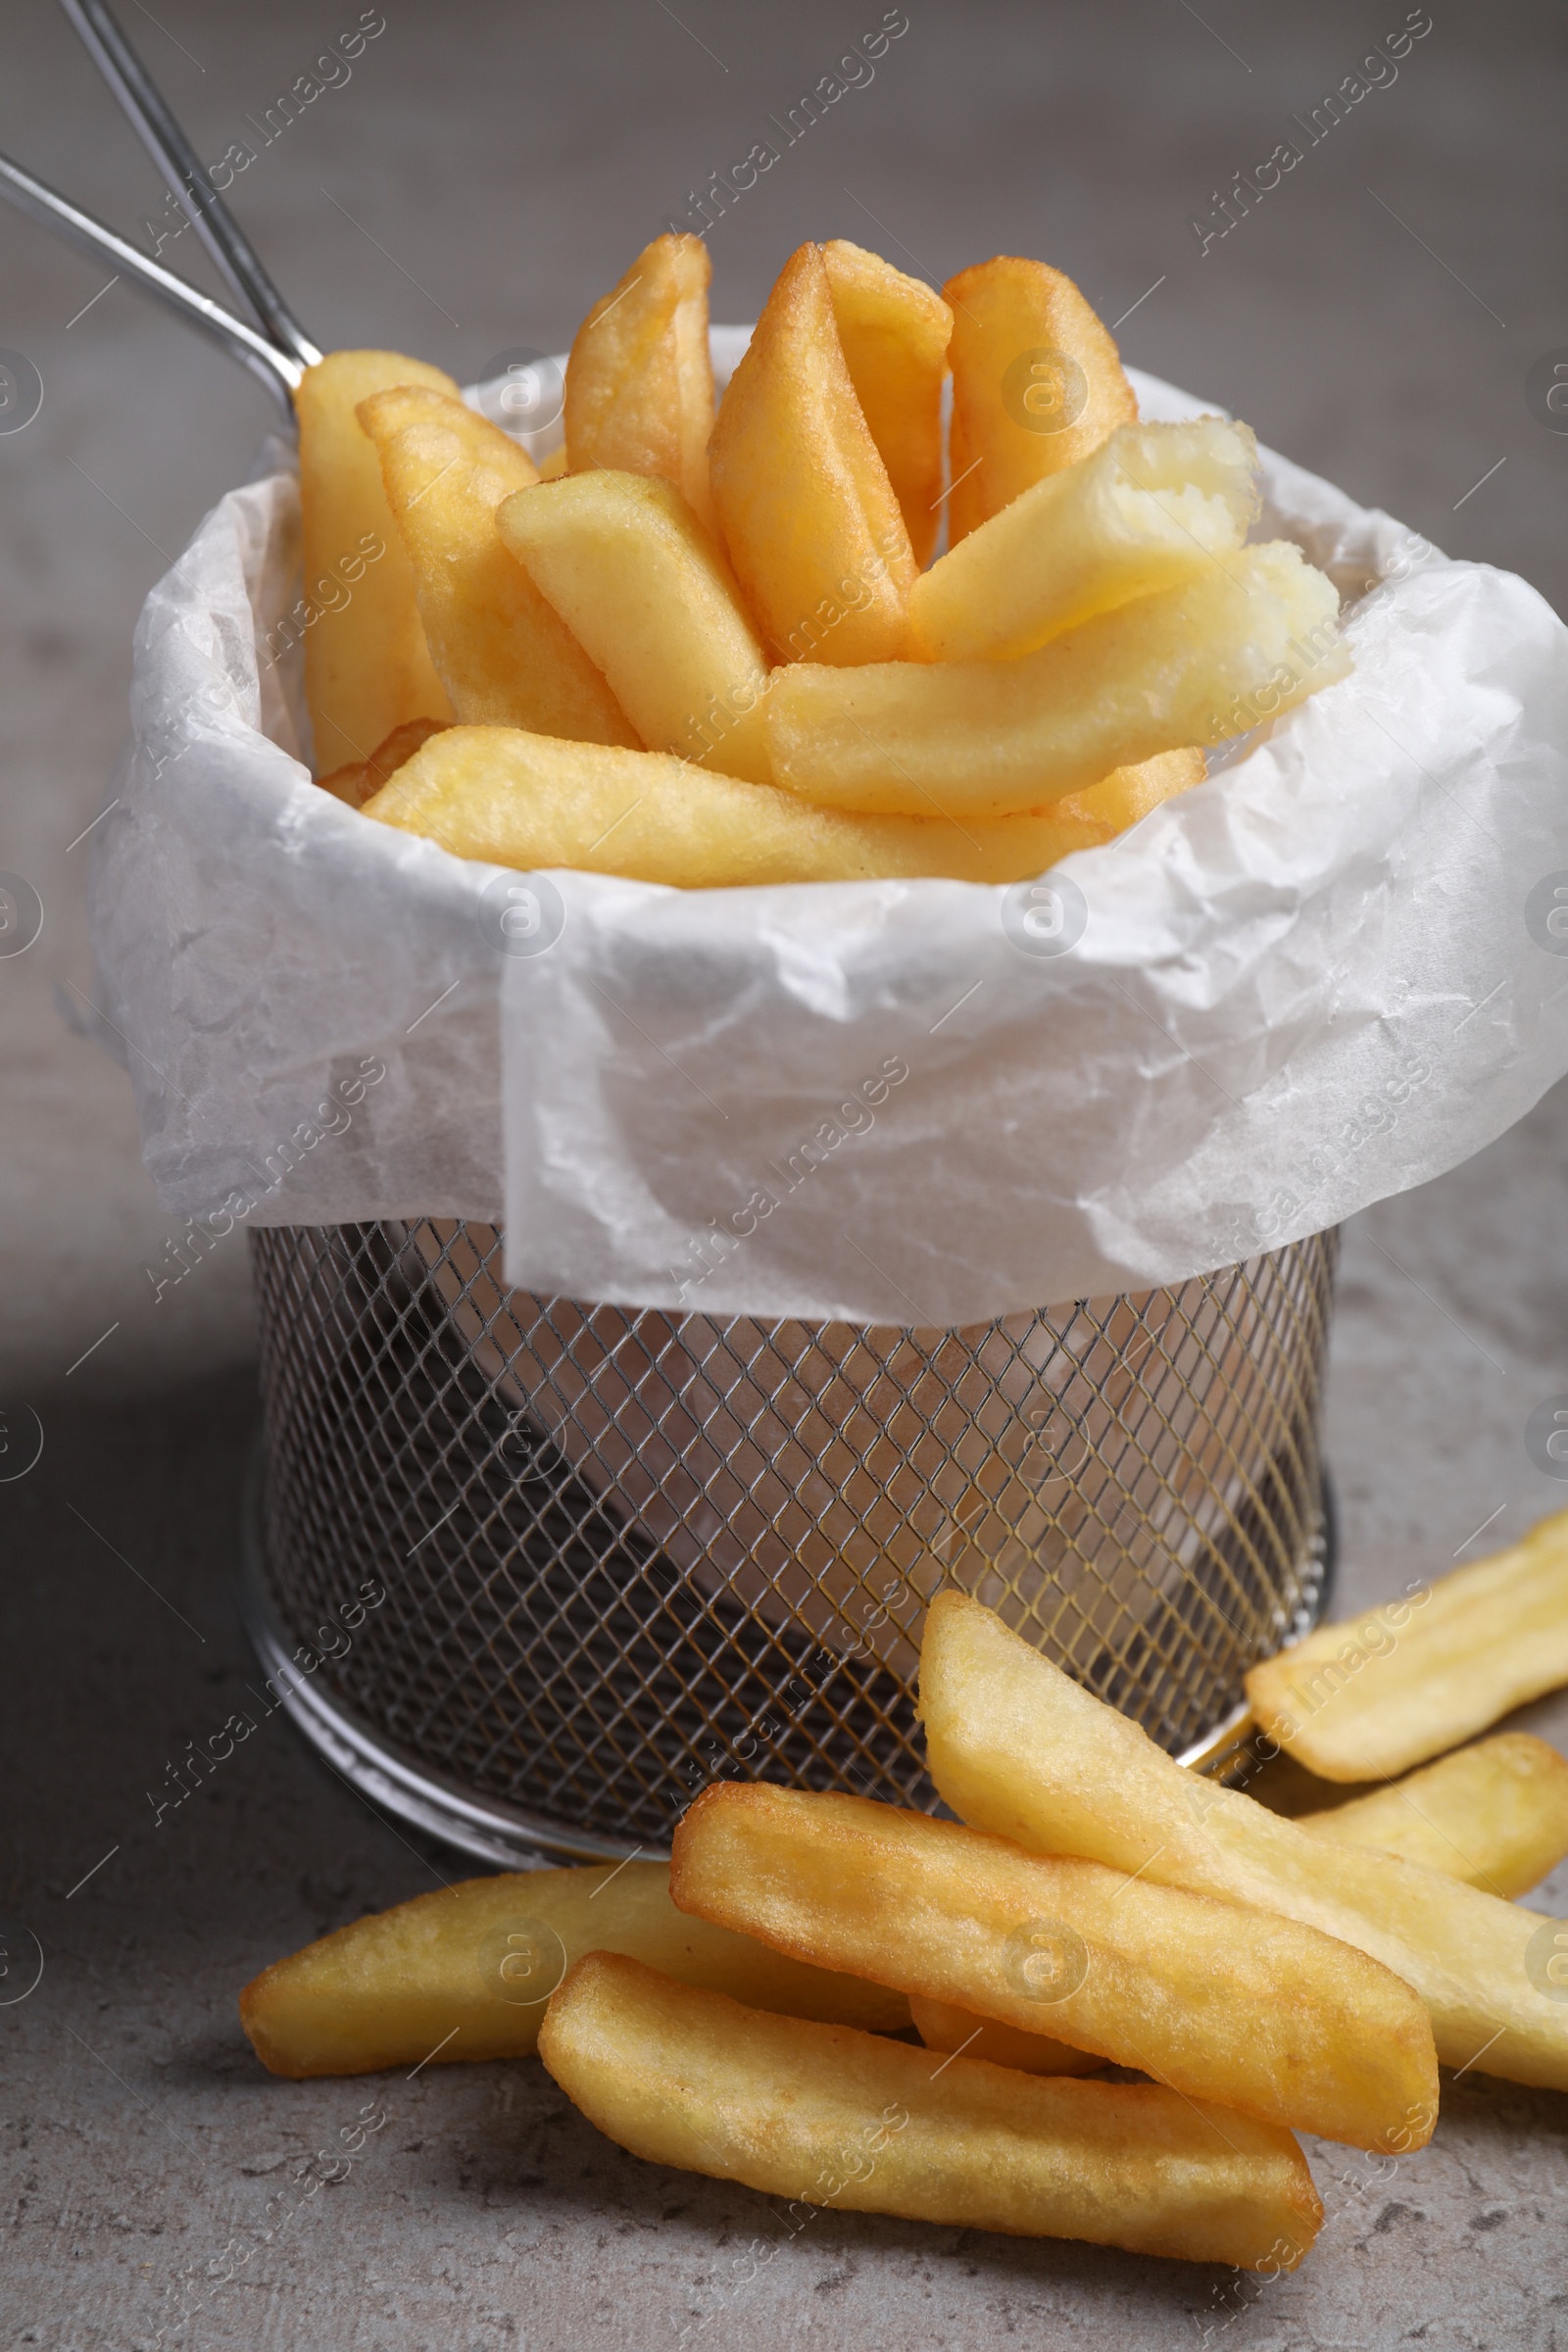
{"x":1016,"y":1746}
{"x":943,"y":2026}
{"x":470,"y":1969}
{"x":533,"y":801}
{"x":503,"y":653}
{"x":1036,"y":385}
{"x":1151,"y":506}
{"x":965,"y":739}
{"x":1368,"y":1698}
{"x":367,"y":666}
{"x":552,"y":469}
{"x":1217,"y":2000}
{"x":359,"y":783}
{"x":808,"y":513}
{"x":646,"y":592}
{"x":894,"y":333}
{"x":1494,"y":1815}
{"x":640,"y":381}
{"x":824,"y":2114}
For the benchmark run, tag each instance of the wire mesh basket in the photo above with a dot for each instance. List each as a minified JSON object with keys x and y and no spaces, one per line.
{"x":624,"y":1552}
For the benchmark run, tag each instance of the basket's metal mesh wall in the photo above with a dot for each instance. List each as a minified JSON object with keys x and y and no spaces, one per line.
{"x":623,"y":1550}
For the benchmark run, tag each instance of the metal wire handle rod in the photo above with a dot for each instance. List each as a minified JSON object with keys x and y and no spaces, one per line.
{"x":279,"y":371}
{"x":171,"y":151}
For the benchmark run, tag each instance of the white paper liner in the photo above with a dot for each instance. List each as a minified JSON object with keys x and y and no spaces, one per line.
{"x":1303,"y":986}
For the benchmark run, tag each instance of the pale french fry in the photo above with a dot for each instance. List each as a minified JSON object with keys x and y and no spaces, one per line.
{"x":1368,"y":1698}
{"x":824,"y":2114}
{"x":1082,"y":820}
{"x":471,"y":1967}
{"x":533,"y":801}
{"x":1016,"y":1746}
{"x":894,"y":333}
{"x":1153,"y":505}
{"x":1494,"y":1815}
{"x":648,"y":596}
{"x":1258,"y":628}
{"x":640,"y":381}
{"x":503,"y":653}
{"x":1216,"y":1999}
{"x":943,"y":2026}
{"x":1036,"y":384}
{"x":367,"y":666}
{"x":356,"y":784}
{"x":809,"y":517}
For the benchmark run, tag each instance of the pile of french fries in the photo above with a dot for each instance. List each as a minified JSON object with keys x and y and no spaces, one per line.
{"x":749,"y":2010}
{"x":711,"y":649}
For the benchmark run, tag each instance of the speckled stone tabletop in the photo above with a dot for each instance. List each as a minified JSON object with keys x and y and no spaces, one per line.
{"x":480,"y":174}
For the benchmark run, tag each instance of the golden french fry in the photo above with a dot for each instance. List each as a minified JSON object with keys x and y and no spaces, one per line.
{"x":1368,"y":1698}
{"x":967,"y":739}
{"x":470,"y":1969}
{"x":533,"y":801}
{"x":360,"y":783}
{"x":1036,"y":384}
{"x":1216,"y":1999}
{"x":1016,"y":1746}
{"x":503,"y":653}
{"x":808,"y":513}
{"x":552,"y":469}
{"x":894,"y":333}
{"x":943,"y":2026}
{"x":646,"y":592}
{"x":366,"y":664}
{"x":640,"y":381}
{"x":1151,"y":506}
{"x":1494,"y":1815}
{"x":827,"y":2116}
{"x":1082,"y":820}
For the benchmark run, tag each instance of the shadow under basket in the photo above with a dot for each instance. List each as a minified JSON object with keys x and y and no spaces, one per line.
{"x":530,"y":1573}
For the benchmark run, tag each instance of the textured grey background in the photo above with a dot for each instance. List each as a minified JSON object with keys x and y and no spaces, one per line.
{"x":486,"y":172}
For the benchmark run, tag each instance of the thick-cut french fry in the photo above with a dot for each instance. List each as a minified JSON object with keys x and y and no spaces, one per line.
{"x":1036,"y":384}
{"x":552,"y":469}
{"x":1258,"y":628}
{"x":824,"y":2114}
{"x":367,"y":666}
{"x":503,"y":653}
{"x":648,"y":594}
{"x":1368,"y":1698}
{"x":808,"y":515}
{"x":1494,"y":1815}
{"x":640,"y":381}
{"x":894,"y":333}
{"x":532,"y":801}
{"x":360,"y":782}
{"x":1016,"y":1746}
{"x":943,"y":2026}
{"x":1154,"y":504}
{"x":1218,"y":2000}
{"x":471,"y":1968}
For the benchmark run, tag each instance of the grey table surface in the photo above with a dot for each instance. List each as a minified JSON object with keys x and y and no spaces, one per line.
{"x":475,"y":179}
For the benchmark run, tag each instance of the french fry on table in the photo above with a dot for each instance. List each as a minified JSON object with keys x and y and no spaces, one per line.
{"x":1153,"y":505}
{"x":962,"y":739}
{"x":648,"y":594}
{"x":1036,"y":384}
{"x":466,"y":1973}
{"x":367,"y":666}
{"x":943,"y":2025}
{"x":824,"y":2114}
{"x":893,"y":334}
{"x":808,"y":514}
{"x":1213,"y":1998}
{"x":534,"y":801}
{"x":1016,"y":1746}
{"x":1368,"y":1698}
{"x":640,"y":381}
{"x":1494,"y":1815}
{"x":503,"y":653}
